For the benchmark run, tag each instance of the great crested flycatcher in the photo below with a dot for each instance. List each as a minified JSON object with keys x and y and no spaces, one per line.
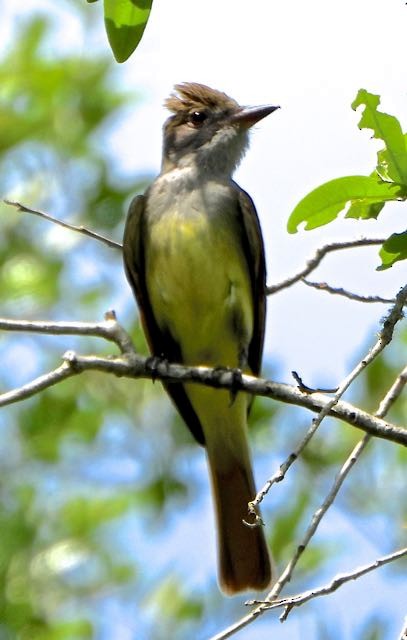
{"x":194,"y":257}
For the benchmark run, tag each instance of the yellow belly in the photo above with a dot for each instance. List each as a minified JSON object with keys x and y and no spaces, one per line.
{"x":199,"y":287}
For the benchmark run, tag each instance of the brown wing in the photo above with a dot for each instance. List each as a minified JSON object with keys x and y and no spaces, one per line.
{"x":254,"y":250}
{"x":161,"y":342}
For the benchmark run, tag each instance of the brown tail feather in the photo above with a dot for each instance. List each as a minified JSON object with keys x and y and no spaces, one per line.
{"x":244,"y":560}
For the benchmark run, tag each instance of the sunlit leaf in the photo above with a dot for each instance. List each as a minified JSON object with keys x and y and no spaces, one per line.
{"x":364,"y":211}
{"x":393,"y":250}
{"x":392,"y":160}
{"x":125,"y":22}
{"x":324,"y":203}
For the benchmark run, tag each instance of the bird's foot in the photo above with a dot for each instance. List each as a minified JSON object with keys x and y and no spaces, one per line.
{"x":236,"y":380}
{"x":152,"y":364}
{"x":236,"y":384}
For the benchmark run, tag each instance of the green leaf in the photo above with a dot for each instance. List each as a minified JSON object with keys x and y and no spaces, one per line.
{"x":125,"y":21}
{"x":323,"y":204}
{"x":393,"y":250}
{"x":361,"y":210}
{"x":392,"y":161}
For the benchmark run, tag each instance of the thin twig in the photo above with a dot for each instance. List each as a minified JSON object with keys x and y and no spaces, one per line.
{"x":109,"y":329}
{"x":306,"y":389}
{"x":270,"y":602}
{"x":315,"y":260}
{"x":316,"y":520}
{"x":339,"y":291}
{"x":338,"y":581}
{"x":40,"y":383}
{"x":72,"y":227}
{"x":393,"y":393}
{"x":329,"y":499}
{"x":385,"y":336}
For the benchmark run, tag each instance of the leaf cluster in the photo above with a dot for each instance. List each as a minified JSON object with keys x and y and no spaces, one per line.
{"x":364,"y":197}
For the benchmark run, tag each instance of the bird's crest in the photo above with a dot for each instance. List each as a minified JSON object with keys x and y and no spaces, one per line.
{"x":192,"y":95}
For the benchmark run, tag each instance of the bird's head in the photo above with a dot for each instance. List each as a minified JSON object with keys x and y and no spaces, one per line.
{"x":208,"y":129}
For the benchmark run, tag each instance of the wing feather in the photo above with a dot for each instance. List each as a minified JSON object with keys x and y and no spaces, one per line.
{"x":254,"y":250}
{"x":160,"y":342}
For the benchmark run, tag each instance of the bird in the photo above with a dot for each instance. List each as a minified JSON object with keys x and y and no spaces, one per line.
{"x":194,"y":257}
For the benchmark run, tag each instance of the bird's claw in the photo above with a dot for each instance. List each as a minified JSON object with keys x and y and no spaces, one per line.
{"x":152,"y":364}
{"x":236,"y":384}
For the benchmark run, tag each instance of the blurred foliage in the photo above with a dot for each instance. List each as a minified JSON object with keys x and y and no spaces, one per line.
{"x":54,"y":109}
{"x":97,"y":496}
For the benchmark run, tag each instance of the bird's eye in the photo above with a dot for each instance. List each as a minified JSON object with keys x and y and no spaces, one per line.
{"x":197,"y":118}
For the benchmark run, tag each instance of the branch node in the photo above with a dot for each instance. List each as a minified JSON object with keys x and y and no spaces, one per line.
{"x":253,"y":512}
{"x":71,"y":359}
{"x":110,"y":315}
{"x":305,"y":389}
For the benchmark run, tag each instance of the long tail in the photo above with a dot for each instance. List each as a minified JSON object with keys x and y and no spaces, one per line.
{"x":244,"y":560}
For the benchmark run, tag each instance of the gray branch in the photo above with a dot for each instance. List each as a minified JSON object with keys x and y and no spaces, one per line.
{"x":328,"y":408}
{"x":340,"y":291}
{"x":72,"y":227}
{"x":316,"y":259}
{"x":133,"y":365}
{"x":297,"y":600}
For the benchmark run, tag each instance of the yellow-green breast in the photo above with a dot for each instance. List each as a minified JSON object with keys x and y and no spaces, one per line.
{"x":198,"y":280}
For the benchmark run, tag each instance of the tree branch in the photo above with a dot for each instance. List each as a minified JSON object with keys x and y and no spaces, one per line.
{"x":297,"y":600}
{"x":317,"y":518}
{"x":339,"y":291}
{"x":385,"y":336}
{"x":271,"y":602}
{"x":133,"y":365}
{"x":393,"y":393}
{"x":109,"y":329}
{"x":79,"y":229}
{"x":315,"y":260}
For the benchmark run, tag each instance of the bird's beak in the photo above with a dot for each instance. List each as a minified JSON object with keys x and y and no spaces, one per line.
{"x":248,"y":116}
